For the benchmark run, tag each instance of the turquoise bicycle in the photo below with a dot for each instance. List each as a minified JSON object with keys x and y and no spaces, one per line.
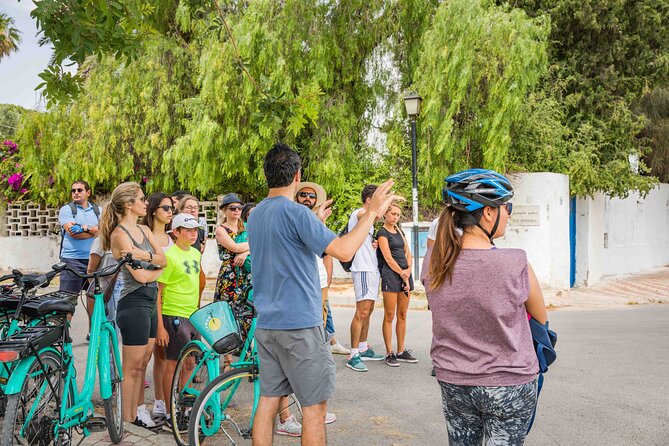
{"x":44,"y":404}
{"x":223,"y":412}
{"x":19,"y":316}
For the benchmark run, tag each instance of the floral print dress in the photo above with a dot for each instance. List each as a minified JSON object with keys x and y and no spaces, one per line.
{"x":232,"y":280}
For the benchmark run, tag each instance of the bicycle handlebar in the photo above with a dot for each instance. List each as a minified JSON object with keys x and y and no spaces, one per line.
{"x":134,"y":264}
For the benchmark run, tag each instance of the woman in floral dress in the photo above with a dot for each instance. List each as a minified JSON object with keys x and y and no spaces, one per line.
{"x":233,"y":277}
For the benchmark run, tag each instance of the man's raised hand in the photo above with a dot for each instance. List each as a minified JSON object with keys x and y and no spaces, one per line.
{"x":383,"y":197}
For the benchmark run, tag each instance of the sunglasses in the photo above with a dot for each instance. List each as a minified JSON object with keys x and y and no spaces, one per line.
{"x":509,"y":208}
{"x":235,"y":208}
{"x":191,"y":208}
{"x":77,"y":190}
{"x":306,"y":194}
{"x":166,"y":208}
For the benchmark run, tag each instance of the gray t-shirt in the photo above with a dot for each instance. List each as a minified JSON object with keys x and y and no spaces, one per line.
{"x":480,"y":332}
{"x":283,"y":238}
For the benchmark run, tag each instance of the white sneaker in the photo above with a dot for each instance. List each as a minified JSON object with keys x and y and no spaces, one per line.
{"x":330,"y":418}
{"x":338,"y":349}
{"x":290,"y":427}
{"x":159,"y":410}
{"x":144,"y":416}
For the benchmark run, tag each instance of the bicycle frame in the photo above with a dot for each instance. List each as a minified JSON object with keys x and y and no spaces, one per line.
{"x":102,"y":331}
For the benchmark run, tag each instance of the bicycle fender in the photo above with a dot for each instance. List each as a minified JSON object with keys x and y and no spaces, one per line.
{"x":197,"y":342}
{"x":20,"y":372}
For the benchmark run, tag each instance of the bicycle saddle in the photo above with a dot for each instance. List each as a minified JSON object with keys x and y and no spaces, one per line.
{"x":56,"y":306}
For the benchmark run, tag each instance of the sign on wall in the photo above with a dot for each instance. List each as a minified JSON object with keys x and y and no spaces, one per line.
{"x":525,"y":216}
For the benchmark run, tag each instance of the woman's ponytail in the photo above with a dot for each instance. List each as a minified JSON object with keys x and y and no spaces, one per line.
{"x":446,"y":249}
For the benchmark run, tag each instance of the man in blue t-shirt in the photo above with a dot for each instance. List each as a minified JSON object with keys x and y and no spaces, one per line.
{"x":79,"y":225}
{"x":283,"y":238}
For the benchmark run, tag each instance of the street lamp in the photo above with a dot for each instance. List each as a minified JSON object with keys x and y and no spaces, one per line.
{"x":412,"y":103}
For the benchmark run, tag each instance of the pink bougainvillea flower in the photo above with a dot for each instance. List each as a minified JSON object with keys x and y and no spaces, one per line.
{"x":15,"y":181}
{"x":23,"y":190}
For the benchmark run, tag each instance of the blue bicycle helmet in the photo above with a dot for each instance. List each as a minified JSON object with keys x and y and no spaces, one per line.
{"x":473,"y":189}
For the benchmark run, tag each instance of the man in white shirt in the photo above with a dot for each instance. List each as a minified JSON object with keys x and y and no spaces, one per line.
{"x":366,"y":279}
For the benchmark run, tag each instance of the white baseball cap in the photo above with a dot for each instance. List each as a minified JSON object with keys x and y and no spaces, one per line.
{"x":185,"y":221}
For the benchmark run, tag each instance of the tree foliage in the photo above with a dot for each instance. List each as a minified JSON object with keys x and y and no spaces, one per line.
{"x":192,"y":93}
{"x":478,"y":63}
{"x":10,"y":36}
{"x":604,"y":58}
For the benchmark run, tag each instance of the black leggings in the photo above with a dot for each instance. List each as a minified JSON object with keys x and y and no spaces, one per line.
{"x":136,"y":316}
{"x":501,"y":414}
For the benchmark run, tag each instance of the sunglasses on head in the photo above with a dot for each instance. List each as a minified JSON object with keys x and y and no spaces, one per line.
{"x":74,"y":190}
{"x":306,"y":194}
{"x":167,"y":208}
{"x":509,"y":208}
{"x":235,"y":208}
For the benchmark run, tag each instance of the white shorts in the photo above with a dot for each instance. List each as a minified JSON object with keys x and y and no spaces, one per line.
{"x":366,"y":285}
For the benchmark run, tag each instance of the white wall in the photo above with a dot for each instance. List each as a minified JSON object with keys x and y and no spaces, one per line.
{"x":623,"y":235}
{"x":540,"y":225}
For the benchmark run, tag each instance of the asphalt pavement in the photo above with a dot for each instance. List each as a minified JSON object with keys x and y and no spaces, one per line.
{"x":608,"y":386}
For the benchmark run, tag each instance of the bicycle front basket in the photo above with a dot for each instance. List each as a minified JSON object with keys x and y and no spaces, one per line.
{"x":218,"y":326}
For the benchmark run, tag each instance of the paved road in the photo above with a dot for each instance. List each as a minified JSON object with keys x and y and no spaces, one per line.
{"x":608,"y":387}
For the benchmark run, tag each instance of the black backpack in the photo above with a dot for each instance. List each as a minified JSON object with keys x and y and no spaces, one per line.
{"x":73,"y":207}
{"x":346,"y":265}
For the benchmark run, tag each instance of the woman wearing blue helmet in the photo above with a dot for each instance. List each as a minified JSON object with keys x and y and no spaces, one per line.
{"x":480,"y":297}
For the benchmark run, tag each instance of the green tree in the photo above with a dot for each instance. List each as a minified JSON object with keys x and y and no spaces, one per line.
{"x":604,"y":58}
{"x":10,"y":36}
{"x":477,"y":64}
{"x":10,"y":116}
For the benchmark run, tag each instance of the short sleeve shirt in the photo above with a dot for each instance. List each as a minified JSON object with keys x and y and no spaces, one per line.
{"x":432,"y":231}
{"x":74,"y":248}
{"x":181,"y":278}
{"x":283,"y":238}
{"x":365,"y":257}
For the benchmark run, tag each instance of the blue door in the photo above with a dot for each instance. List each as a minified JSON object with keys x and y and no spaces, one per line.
{"x":572,"y":241}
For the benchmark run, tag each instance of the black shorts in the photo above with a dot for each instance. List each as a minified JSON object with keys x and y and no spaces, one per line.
{"x":391,"y":282}
{"x":69,"y":281}
{"x":136,"y":316}
{"x":181,"y":332}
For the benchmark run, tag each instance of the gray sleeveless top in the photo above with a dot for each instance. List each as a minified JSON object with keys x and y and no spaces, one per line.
{"x":129,"y":282}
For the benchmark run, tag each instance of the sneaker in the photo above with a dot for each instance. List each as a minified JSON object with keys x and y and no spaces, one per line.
{"x":356,"y":364}
{"x":330,"y":418}
{"x":391,"y":360}
{"x":290,"y":427}
{"x":370,"y":355}
{"x":143,"y":416}
{"x":338,"y":349}
{"x":183,"y":425}
{"x":406,"y":356}
{"x":159,"y":411}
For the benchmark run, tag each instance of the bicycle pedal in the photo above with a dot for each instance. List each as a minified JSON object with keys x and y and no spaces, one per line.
{"x":96,"y":424}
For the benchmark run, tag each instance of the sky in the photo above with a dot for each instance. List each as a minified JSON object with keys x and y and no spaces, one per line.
{"x":18,"y":72}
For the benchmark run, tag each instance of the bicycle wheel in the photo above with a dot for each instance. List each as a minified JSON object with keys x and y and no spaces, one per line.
{"x":223,"y":412}
{"x":114,"y":405}
{"x":36,"y":394}
{"x":187,"y":385}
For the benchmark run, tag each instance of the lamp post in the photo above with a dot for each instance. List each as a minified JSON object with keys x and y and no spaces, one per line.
{"x":412,"y":103}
